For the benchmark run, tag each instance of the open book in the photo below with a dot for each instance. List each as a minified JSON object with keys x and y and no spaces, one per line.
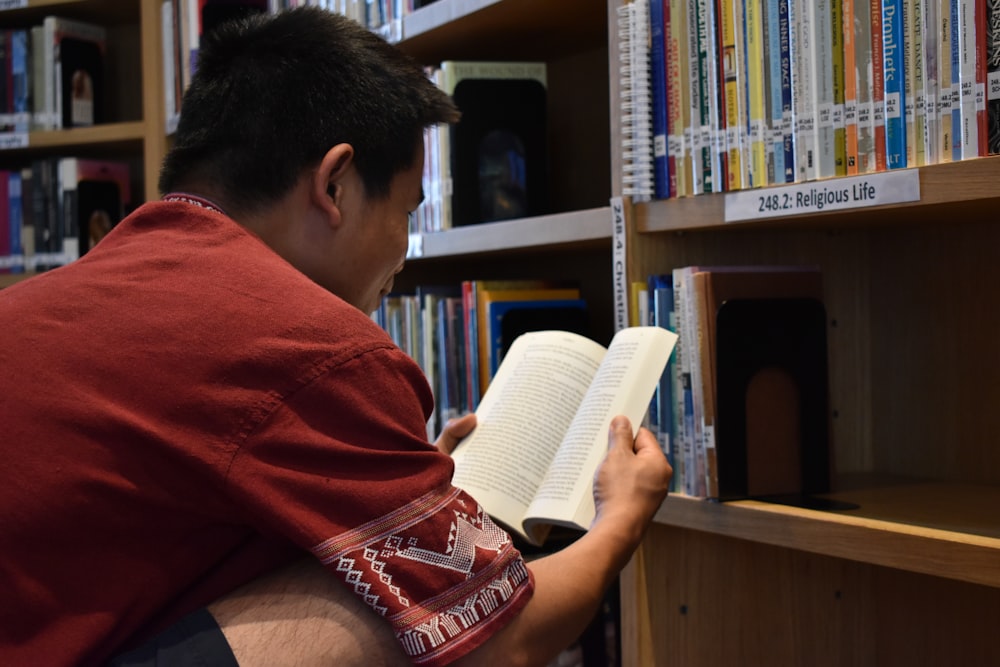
{"x":543,"y":424}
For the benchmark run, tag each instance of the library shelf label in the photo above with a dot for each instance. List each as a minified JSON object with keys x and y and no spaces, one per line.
{"x":12,"y":140}
{"x":887,"y":187}
{"x":620,"y":276}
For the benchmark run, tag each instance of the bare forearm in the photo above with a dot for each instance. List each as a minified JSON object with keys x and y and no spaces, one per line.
{"x":569,"y":588}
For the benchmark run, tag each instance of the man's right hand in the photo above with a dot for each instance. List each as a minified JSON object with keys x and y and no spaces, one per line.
{"x":632,"y":481}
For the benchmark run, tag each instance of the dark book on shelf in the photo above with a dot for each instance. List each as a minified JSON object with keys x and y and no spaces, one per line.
{"x":498,"y":150}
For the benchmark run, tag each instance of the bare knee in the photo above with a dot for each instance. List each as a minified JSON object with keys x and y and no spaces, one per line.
{"x":303,"y":616}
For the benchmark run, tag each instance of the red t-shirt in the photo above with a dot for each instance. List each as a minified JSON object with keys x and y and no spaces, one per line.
{"x":181,"y":411}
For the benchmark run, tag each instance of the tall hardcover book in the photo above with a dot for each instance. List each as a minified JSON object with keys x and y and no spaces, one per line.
{"x":680,"y":91}
{"x":824,"y":85}
{"x":499,"y":148}
{"x":74,"y":57}
{"x":945,"y":90}
{"x":878,"y":85}
{"x":837,"y":71}
{"x":850,"y":87}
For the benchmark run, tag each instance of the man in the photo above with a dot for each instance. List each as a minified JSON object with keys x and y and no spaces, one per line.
{"x":212,"y":455}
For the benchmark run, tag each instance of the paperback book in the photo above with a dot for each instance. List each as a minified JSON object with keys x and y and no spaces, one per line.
{"x":543,"y":424}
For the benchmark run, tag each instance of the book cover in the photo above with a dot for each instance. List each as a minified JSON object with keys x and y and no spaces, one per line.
{"x":662,"y":296}
{"x":15,"y":220}
{"x":565,"y":389}
{"x":19,"y":80}
{"x":916,"y":129}
{"x":509,"y":319}
{"x":75,"y":54}
{"x":498,"y":151}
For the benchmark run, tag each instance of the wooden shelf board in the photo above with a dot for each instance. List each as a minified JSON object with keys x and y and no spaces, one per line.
{"x":497,"y":28}
{"x":548,"y":231}
{"x":102,"y":11}
{"x":946,"y":192}
{"x":108,"y":133}
{"x":945,"y":530}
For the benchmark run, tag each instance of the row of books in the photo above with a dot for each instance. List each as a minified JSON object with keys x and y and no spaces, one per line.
{"x":749,"y":93}
{"x":742,"y":407}
{"x":492,"y":164}
{"x":458,"y":333}
{"x":56,"y":209}
{"x":53,"y":76}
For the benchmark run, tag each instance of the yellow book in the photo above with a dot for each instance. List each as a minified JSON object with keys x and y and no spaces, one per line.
{"x":733,"y":75}
{"x":755,"y":86}
{"x":680,"y":118}
{"x":839,"y":80}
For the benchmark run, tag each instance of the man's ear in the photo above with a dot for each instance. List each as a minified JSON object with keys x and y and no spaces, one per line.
{"x":329,"y":180}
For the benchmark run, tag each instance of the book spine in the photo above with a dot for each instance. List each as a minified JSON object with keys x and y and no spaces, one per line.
{"x":717,"y":118}
{"x":16,"y":221}
{"x":676,"y":99}
{"x":636,"y":121}
{"x":980,"y":47}
{"x":850,"y":87}
{"x":892,"y":75}
{"x":694,"y":140}
{"x":944,"y":81}
{"x":878,"y":86}
{"x":928,"y":65}
{"x":993,"y":76}
{"x":824,"y":86}
{"x":775,"y":106}
{"x":787,"y":135}
{"x":708,"y":140}
{"x":956,"y":81}
{"x":968,"y":49}
{"x":753,"y":26}
{"x":907,"y":46}
{"x":839,"y":79}
{"x":916,"y":87}
{"x":804,"y":100}
{"x":864,"y":73}
{"x":658,"y":76}
{"x":732,"y":62}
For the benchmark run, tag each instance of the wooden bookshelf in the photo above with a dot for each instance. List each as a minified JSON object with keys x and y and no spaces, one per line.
{"x":910,"y":574}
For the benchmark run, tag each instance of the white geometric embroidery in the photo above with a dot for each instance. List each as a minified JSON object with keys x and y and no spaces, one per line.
{"x":461,"y":553}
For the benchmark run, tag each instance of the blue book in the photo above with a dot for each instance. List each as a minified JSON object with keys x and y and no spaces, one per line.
{"x":15,"y":221}
{"x":509,"y":319}
{"x":784,"y":26}
{"x":665,"y":403}
{"x":658,"y":77}
{"x":893,"y":70}
{"x":956,"y":85}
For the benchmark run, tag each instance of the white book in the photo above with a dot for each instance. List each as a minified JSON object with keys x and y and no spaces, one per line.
{"x":542,"y":426}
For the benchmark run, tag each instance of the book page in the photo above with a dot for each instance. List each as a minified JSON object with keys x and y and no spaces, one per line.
{"x":624,"y":384}
{"x":522,"y":418}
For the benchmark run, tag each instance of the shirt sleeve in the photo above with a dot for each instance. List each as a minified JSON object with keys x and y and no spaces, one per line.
{"x":343,"y":469}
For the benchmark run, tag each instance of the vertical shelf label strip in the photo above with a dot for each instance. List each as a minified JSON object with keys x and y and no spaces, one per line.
{"x":619,"y":275}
